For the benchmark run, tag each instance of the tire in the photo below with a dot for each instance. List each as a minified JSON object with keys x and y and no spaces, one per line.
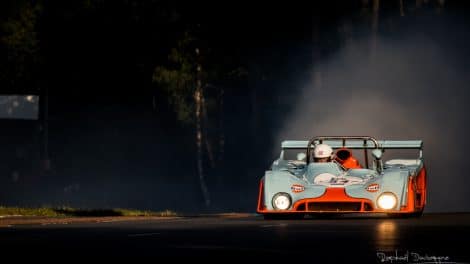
{"x":417,"y":214}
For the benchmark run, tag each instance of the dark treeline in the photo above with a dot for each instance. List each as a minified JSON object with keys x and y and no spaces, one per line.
{"x":164,"y":104}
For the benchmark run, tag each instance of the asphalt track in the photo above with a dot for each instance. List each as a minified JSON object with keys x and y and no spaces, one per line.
{"x":433,"y":238}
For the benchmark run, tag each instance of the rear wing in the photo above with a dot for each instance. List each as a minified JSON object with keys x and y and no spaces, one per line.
{"x":354,"y":144}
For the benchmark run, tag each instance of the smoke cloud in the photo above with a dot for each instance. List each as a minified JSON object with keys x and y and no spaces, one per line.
{"x":411,"y":86}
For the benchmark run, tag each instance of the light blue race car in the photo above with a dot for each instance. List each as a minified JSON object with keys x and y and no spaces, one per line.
{"x":296,"y":185}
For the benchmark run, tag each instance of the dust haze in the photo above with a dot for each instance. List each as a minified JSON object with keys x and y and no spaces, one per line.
{"x":413,"y":85}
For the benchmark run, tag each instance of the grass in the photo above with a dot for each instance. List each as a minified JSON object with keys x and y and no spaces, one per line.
{"x":75,"y":212}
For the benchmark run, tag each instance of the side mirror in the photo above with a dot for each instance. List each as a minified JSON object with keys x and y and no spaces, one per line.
{"x":377,"y":154}
{"x":301,"y":156}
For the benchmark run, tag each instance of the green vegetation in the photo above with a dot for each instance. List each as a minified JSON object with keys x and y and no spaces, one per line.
{"x":179,"y":81}
{"x":74,"y":212}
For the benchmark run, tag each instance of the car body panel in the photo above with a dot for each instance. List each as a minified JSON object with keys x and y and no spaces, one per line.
{"x":353,"y":190}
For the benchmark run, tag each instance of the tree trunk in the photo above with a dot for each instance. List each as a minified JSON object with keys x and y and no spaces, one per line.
{"x":221,"y":125}
{"x":198,"y":103}
{"x":46,"y":162}
{"x":402,"y":10}
{"x":221,"y":138}
{"x":205,"y":126}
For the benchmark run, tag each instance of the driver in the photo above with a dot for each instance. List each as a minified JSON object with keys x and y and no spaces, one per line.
{"x":322,"y":153}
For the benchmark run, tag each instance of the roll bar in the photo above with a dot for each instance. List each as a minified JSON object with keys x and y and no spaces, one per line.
{"x":319,"y":140}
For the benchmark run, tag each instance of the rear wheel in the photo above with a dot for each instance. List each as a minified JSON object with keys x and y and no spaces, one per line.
{"x":417,"y":214}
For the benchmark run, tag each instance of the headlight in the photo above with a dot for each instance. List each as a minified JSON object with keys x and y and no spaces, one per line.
{"x":281,"y":201}
{"x":387,"y":201}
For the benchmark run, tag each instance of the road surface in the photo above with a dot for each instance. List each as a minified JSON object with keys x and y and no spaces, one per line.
{"x":433,"y":238}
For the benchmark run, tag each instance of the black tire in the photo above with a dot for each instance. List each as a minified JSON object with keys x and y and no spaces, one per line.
{"x":417,"y":214}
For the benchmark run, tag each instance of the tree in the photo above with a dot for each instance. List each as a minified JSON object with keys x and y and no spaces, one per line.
{"x":184,"y":83}
{"x":20,"y":41}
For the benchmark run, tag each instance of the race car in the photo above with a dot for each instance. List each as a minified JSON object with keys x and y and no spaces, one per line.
{"x":296,"y":185}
